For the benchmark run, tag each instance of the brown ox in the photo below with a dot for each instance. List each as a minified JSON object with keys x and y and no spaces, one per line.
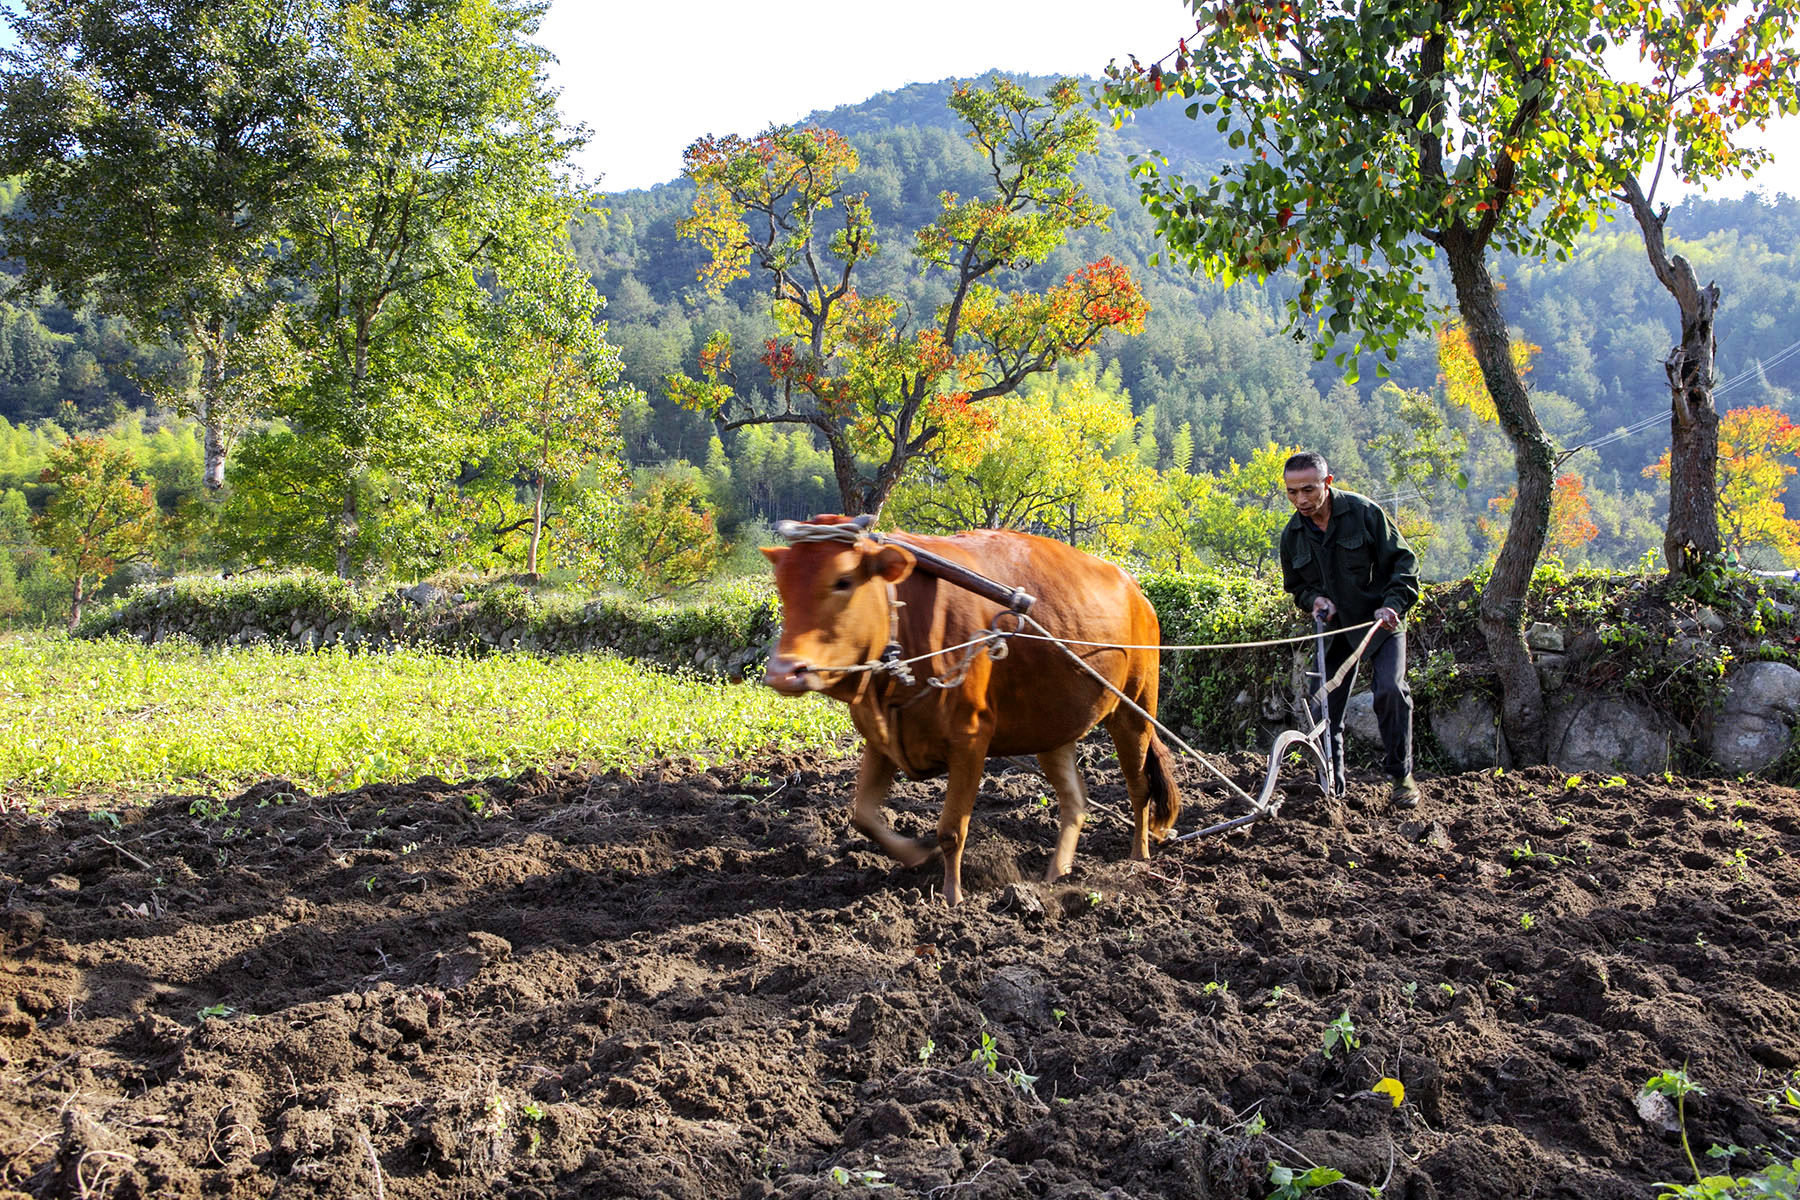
{"x":836,"y":608}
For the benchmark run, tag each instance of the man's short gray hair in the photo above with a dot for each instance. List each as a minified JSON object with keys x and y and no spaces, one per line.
{"x":1307,"y":460}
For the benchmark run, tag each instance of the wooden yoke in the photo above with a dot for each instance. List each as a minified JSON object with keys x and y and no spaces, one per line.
{"x":1016,"y":599}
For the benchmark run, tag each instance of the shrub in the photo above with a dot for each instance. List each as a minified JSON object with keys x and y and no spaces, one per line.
{"x":1202,"y":689}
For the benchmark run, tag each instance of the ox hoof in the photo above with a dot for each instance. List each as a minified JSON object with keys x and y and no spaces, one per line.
{"x":917,"y":852}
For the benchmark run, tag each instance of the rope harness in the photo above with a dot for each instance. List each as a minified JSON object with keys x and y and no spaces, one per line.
{"x":1012,"y":621}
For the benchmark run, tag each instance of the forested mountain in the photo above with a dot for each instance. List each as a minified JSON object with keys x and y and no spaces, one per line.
{"x":1217,"y":361}
{"x":1213,"y":361}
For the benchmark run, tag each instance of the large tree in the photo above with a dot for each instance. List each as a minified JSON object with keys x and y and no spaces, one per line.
{"x":1374,"y":136}
{"x":1711,"y":73}
{"x":447,"y":166}
{"x":881,"y":387}
{"x":161,"y":142}
{"x":550,"y":401}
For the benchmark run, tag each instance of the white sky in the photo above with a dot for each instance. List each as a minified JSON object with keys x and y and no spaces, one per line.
{"x":650,"y":76}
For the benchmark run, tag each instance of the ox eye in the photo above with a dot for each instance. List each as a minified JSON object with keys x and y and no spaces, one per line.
{"x":843,"y":584}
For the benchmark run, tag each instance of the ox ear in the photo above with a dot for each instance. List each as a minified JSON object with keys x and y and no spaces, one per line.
{"x":774,"y":553}
{"x":892,"y":563}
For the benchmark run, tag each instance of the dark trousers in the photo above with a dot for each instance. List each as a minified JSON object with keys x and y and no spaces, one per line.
{"x":1386,"y":658}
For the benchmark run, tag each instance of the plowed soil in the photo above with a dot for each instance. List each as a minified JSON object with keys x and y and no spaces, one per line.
{"x":703,"y":984}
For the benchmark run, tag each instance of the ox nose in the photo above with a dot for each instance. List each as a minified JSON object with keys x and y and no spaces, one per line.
{"x":789,"y":675}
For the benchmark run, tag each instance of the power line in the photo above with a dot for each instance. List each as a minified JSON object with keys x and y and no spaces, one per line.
{"x":1656,"y":418}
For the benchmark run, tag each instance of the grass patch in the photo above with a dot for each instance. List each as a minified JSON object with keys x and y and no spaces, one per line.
{"x":117,"y":716}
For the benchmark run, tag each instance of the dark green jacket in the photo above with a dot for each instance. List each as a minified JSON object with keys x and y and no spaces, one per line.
{"x":1364,"y":564}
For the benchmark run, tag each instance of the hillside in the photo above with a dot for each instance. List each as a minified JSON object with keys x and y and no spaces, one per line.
{"x":1214,"y":361}
{"x":1219,"y":361}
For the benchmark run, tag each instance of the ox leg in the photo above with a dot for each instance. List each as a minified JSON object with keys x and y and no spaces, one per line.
{"x":1071,"y":798}
{"x":874,"y":777}
{"x":1132,"y":738}
{"x":966,"y":766}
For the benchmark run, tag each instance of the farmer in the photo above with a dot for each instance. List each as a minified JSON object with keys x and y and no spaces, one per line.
{"x":1343,"y":561}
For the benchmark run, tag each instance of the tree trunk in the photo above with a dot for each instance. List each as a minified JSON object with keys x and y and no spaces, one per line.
{"x":537,"y":532}
{"x":858,"y":493}
{"x":348,"y":527}
{"x":210,"y":408}
{"x":1691,"y":538}
{"x":1501,"y":613}
{"x":79,"y":599}
{"x":349,"y":519}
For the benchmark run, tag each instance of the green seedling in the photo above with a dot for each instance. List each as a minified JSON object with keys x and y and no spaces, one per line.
{"x":869,"y":1179}
{"x":1295,"y":1185}
{"x":1778,"y":1180}
{"x":1789,"y":1095}
{"x":1059,"y":1014}
{"x":533,"y":1110}
{"x":1341,"y":1032}
{"x":987,"y":1054}
{"x":1019,"y":1079}
{"x":1216,"y":987}
{"x":1180,"y":1126}
{"x":1678,"y":1087}
{"x":1526,"y":921}
{"x":1526,"y":851}
{"x":927,"y":1050}
{"x":1094,"y":899}
{"x":103,"y":817}
{"x":220,"y":1011}
{"x":211,"y":809}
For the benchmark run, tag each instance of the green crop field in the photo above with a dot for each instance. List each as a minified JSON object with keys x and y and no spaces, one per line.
{"x":85,"y":717}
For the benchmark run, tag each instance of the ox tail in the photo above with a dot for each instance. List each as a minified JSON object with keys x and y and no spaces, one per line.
{"x":1165,"y":797}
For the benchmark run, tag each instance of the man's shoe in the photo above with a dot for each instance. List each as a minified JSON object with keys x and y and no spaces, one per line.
{"x":1405,"y":793}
